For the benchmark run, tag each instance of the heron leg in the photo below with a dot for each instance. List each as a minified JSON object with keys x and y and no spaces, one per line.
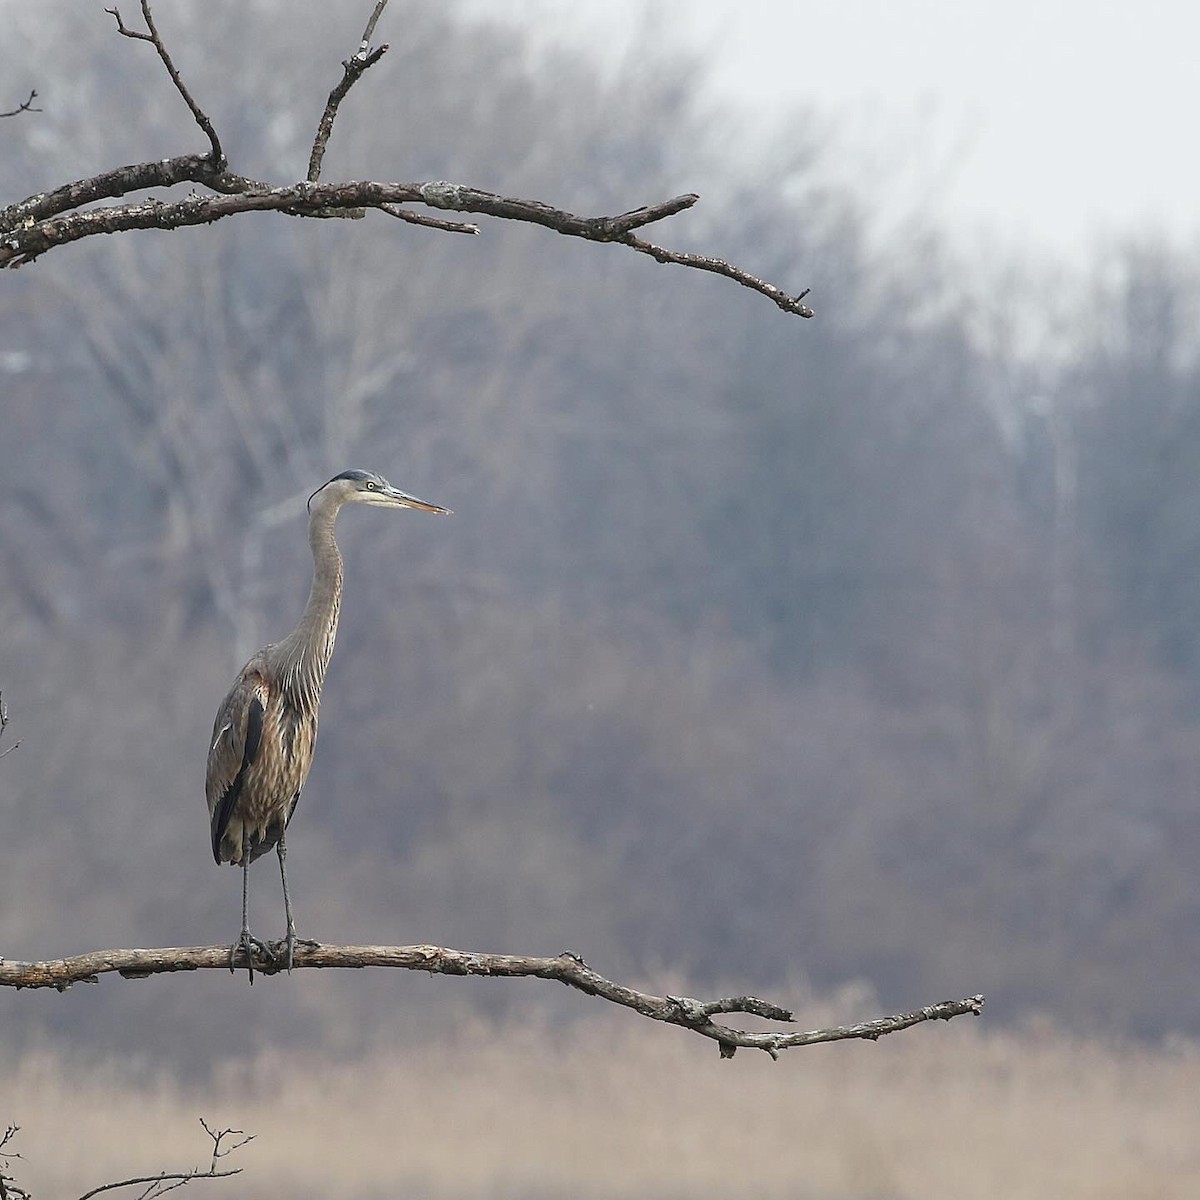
{"x":290,"y":940}
{"x":246,"y":942}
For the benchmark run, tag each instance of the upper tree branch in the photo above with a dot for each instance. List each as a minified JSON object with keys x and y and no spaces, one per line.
{"x":34,"y":238}
{"x":55,"y":218}
{"x":695,"y":1015}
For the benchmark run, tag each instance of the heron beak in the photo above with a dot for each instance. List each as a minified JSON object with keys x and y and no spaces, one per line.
{"x":404,"y":500}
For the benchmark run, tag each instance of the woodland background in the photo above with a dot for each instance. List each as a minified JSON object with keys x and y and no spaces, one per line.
{"x":787,"y":654}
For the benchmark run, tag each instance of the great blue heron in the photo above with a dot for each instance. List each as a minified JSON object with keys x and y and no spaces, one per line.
{"x":266,"y":728}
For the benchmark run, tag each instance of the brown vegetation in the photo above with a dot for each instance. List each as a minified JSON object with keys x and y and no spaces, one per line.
{"x":610,"y":1108}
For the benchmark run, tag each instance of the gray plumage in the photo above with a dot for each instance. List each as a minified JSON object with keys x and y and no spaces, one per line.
{"x":266,"y":728}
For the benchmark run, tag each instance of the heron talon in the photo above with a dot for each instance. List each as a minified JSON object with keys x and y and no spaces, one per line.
{"x":284,"y":950}
{"x":249,"y":945}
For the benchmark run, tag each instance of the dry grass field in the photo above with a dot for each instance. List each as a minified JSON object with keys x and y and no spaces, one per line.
{"x":617,"y":1107}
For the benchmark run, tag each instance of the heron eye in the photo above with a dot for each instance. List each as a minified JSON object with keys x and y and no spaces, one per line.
{"x":371,"y":486}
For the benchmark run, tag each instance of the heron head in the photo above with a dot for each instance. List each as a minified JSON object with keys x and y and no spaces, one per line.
{"x":365,"y":487}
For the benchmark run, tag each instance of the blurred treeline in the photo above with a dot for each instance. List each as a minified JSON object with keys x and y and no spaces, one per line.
{"x":756,"y":649}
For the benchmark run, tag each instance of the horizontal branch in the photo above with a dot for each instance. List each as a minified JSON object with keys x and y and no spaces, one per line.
{"x":566,"y":968}
{"x":136,"y":177}
{"x":42,"y":222}
{"x":58,"y":217}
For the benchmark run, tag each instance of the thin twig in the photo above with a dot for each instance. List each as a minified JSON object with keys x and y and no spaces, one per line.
{"x":8,"y":1185}
{"x":718,"y":266}
{"x":369,"y":32}
{"x":404,"y":214}
{"x":155,"y":1181}
{"x":218,"y":155}
{"x":352,"y":69}
{"x":167,"y":1181}
{"x":567,"y":968}
{"x":26,"y":107}
{"x":218,"y":1135}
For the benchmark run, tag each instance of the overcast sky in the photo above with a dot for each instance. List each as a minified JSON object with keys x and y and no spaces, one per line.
{"x":1044,"y":123}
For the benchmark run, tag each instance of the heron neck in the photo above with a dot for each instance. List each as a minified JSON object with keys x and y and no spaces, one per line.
{"x":314,"y":636}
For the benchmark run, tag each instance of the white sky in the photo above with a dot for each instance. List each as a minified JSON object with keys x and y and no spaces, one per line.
{"x":1051,"y":124}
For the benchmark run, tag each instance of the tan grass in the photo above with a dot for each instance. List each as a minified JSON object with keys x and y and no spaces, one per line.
{"x":617,"y":1107}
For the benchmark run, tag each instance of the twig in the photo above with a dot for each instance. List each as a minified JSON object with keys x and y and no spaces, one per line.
{"x":369,"y":32}
{"x":26,"y":107}
{"x":218,"y":155}
{"x":352,"y":69}
{"x":718,"y":266}
{"x":403,"y":214}
{"x":167,"y":1181}
{"x":566,"y":968}
{"x":8,"y":1186}
{"x":3,"y":727}
{"x":218,"y":1135}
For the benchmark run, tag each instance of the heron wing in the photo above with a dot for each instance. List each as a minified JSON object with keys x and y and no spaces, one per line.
{"x":237,"y":735}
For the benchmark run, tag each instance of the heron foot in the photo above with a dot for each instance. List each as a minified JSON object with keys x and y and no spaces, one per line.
{"x":249,"y":945}
{"x":285,"y":949}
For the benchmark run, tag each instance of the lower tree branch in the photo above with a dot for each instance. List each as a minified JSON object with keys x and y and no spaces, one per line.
{"x":566,"y":968}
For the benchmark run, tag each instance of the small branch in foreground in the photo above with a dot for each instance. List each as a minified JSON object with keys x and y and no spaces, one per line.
{"x":218,"y":155}
{"x":566,"y":968}
{"x":26,"y":107}
{"x":8,"y":1185}
{"x":167,"y":1181}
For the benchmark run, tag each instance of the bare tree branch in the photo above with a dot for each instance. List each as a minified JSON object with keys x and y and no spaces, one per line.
{"x":55,"y":218}
{"x":152,"y":1185}
{"x":217,"y":156}
{"x":369,"y":32}
{"x":34,"y":238}
{"x":394,"y":210}
{"x":567,"y":968}
{"x":703,"y":262}
{"x":8,"y":1185}
{"x":168,"y":1181}
{"x":352,"y":69}
{"x":26,"y":107}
